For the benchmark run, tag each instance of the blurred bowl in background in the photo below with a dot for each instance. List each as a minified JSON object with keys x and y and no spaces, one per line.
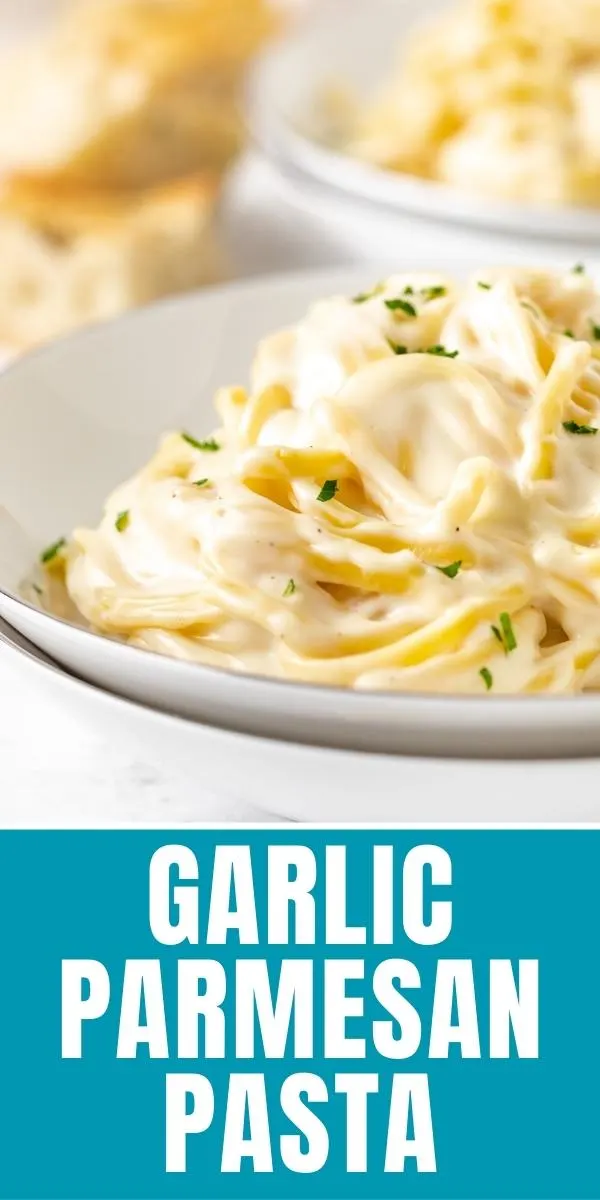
{"x":286,"y":93}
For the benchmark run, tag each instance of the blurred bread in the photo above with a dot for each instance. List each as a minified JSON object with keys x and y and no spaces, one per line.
{"x":70,"y":255}
{"x":128,"y":93}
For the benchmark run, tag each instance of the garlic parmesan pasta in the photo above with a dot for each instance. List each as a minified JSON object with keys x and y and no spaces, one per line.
{"x":495,"y":96}
{"x":406,"y":497}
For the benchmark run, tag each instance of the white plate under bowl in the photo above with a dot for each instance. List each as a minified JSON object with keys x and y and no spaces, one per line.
{"x":311,"y":783}
{"x":357,"y":44}
{"x":83,"y":414}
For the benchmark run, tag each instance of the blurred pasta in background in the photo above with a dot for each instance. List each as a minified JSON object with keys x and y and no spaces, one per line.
{"x":117,"y":121}
{"x":494,"y":96}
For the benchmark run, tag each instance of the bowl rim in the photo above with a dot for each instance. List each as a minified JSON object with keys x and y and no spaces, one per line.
{"x":247,"y":680}
{"x":342,"y":699}
{"x":36,"y":659}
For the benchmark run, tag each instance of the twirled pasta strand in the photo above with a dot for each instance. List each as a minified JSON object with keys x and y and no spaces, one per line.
{"x":406,"y":497}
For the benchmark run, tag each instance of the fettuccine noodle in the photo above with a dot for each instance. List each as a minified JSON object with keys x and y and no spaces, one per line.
{"x":406,"y":497}
{"x":496,"y":96}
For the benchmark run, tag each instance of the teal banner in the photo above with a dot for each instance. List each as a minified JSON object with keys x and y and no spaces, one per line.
{"x":300,"y":1013}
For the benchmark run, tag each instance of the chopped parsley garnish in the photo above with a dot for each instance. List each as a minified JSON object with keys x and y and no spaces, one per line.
{"x":441,"y":352}
{"x":328,"y":490}
{"x":578,"y":269}
{"x":437,"y":351}
{"x":487,"y":677}
{"x":486,"y":287}
{"x":433,"y":293}
{"x":290,"y":588}
{"x":409,"y":291}
{"x":452,"y":570}
{"x":122,"y":521}
{"x":201,"y":482}
{"x":573,"y":427}
{"x":210,"y":444}
{"x":596,"y":331}
{"x":400,"y":305}
{"x":510,"y":640}
{"x":568,"y":333}
{"x":364,"y":296}
{"x":505,"y":634}
{"x":52,"y":551}
{"x":37,"y":589}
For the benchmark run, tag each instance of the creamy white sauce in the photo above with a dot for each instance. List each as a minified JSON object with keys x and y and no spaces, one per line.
{"x":457,"y":459}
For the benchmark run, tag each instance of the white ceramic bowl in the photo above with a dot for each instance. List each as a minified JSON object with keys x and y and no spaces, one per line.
{"x":79,"y":416}
{"x":357,"y":43}
{"x":314,"y":784}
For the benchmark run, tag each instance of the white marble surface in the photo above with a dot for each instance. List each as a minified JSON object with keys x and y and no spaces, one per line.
{"x":55,"y":772}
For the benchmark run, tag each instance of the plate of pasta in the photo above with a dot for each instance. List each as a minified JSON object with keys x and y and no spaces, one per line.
{"x":358,"y":510}
{"x":476,"y":111}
